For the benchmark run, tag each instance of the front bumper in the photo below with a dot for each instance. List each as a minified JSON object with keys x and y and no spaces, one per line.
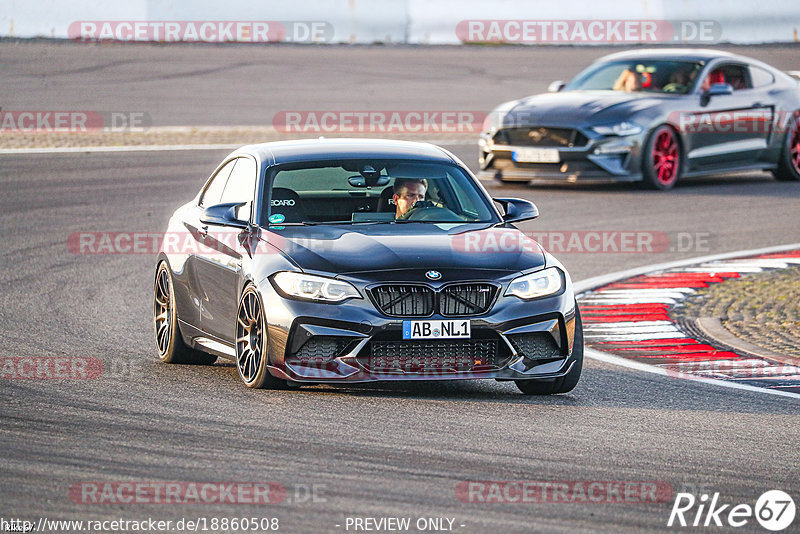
{"x":600,"y":160}
{"x":353,"y":342}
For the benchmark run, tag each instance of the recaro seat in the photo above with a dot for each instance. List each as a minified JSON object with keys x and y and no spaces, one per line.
{"x":287,"y":203}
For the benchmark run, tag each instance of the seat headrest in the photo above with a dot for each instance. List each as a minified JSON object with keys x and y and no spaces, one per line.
{"x":287,"y":203}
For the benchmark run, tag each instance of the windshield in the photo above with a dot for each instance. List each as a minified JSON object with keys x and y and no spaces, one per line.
{"x":376,"y":192}
{"x":630,"y":76}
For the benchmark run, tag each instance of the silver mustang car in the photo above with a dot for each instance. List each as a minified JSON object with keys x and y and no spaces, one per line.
{"x":650,"y":116}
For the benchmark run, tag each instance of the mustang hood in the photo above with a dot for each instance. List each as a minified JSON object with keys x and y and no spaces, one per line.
{"x":575,"y":108}
{"x":369,"y":248}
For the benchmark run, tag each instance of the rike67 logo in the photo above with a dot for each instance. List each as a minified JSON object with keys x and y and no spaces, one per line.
{"x":774,"y":510}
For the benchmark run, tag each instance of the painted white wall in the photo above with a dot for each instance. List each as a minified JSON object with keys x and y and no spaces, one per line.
{"x":408,"y":21}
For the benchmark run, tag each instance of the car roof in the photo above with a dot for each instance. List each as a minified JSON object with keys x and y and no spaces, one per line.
{"x":279,"y":152}
{"x":692,"y":54}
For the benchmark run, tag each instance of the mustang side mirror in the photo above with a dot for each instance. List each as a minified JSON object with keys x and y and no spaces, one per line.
{"x":719,"y":89}
{"x":556,"y":86}
{"x":223,"y":215}
{"x":517,"y":209}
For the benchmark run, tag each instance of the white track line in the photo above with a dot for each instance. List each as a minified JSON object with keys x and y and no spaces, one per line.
{"x":611,"y":302}
{"x":167,"y":148}
{"x":127,"y":148}
{"x":597,"y":281}
{"x":590,"y":284}
{"x":647,"y":368}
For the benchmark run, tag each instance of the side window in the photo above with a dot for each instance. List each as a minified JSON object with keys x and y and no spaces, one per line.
{"x":213,"y":192}
{"x":761,"y":77}
{"x":735,"y":75}
{"x":241,"y":187}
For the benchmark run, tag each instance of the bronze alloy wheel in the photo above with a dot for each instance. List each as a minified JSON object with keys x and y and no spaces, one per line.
{"x":171,"y":348}
{"x":251,"y":343}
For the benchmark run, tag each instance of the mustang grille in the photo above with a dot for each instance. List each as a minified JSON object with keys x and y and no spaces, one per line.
{"x":431,"y":356}
{"x":537,"y":136}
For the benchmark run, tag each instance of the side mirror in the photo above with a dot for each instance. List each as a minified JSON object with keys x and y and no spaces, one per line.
{"x":223,"y":215}
{"x":556,"y":86}
{"x":719,"y":89}
{"x":517,"y":209}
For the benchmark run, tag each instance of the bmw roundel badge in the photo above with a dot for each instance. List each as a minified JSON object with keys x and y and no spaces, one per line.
{"x":433,"y":275}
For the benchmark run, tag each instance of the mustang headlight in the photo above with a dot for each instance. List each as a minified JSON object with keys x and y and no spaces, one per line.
{"x":312,"y":287}
{"x":535,"y":285}
{"x":621,"y":129}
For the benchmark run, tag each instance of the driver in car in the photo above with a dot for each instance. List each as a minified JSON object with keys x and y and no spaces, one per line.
{"x":407,"y":192}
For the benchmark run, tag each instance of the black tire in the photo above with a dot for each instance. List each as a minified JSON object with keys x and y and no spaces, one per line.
{"x":252,"y":353}
{"x":789,"y":163}
{"x":566,"y":383}
{"x":171,"y":348}
{"x":661,"y":159}
{"x":498,"y":177}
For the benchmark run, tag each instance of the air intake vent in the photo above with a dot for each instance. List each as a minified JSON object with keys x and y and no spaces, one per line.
{"x":535,"y":346}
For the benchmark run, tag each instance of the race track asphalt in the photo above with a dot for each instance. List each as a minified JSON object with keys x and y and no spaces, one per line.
{"x":372,"y":450}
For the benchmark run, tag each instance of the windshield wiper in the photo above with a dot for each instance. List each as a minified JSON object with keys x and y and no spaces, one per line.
{"x":323,"y":223}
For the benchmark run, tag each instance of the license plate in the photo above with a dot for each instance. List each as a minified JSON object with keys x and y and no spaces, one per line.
{"x":536,"y":155}
{"x":435,"y":329}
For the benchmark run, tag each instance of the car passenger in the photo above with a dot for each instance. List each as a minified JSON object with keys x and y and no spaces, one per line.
{"x":628,"y":81}
{"x":714,"y":77}
{"x":679,"y":81}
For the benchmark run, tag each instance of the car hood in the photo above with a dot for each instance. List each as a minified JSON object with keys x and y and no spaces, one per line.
{"x":578,"y":108}
{"x":368,"y":248}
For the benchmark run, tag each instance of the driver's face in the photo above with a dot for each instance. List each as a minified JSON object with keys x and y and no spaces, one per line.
{"x":410,"y":194}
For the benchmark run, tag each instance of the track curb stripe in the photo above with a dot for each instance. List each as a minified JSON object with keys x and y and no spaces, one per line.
{"x":626,"y":312}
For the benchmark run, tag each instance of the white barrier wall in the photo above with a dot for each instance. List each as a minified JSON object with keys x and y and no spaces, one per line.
{"x":413,"y":21}
{"x":740,"y":21}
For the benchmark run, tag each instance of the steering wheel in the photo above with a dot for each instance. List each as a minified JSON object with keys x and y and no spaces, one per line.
{"x":674,"y":88}
{"x":425,"y":210}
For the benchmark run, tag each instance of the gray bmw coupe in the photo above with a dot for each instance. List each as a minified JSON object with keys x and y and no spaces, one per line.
{"x":333,"y":261}
{"x":650,"y":116}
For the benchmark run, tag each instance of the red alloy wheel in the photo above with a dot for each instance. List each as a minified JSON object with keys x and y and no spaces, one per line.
{"x":665,"y":157}
{"x":794,"y":146}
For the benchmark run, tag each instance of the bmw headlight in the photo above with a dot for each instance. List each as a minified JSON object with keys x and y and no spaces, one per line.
{"x":535,"y":285}
{"x":312,"y":287}
{"x":621,"y":129}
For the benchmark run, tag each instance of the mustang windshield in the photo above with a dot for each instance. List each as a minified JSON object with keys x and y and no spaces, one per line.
{"x":630,"y":76}
{"x":375,"y":192}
